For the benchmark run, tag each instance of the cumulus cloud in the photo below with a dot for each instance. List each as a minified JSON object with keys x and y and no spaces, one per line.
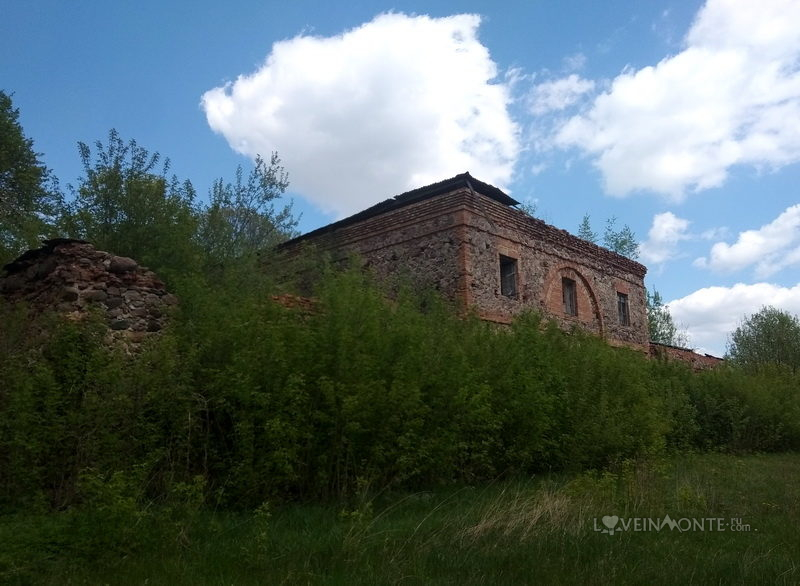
{"x":663,"y":238}
{"x":731,"y":97}
{"x":712,"y":313}
{"x":771,"y":248}
{"x":397,"y":103}
{"x":558,"y":94}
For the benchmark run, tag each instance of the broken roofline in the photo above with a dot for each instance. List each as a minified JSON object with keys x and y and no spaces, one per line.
{"x":419,"y":194}
{"x":465,"y":180}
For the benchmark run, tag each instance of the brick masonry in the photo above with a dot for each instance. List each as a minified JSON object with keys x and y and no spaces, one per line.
{"x":452,"y":242}
{"x":690,"y":357}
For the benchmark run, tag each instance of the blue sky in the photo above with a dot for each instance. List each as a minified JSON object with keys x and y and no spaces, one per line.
{"x":682,"y":119}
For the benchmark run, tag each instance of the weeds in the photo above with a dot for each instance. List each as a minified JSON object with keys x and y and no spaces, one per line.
{"x":539,"y":530}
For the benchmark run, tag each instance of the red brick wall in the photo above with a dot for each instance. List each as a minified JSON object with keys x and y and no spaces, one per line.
{"x":589,"y":314}
{"x":690,"y":357}
{"x":421,"y":243}
{"x":453,"y":243}
{"x":546,"y":254}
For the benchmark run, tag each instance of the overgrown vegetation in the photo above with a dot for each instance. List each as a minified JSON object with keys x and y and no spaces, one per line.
{"x":622,"y":241}
{"x":258,"y":402}
{"x":29,"y":195}
{"x":660,"y":325}
{"x":243,"y":404}
{"x":522,"y":531}
{"x":769,"y":336}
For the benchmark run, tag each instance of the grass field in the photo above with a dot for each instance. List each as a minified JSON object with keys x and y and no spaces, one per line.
{"x":524,"y":531}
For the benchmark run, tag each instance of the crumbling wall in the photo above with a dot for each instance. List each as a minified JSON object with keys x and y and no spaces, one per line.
{"x":545,"y":255}
{"x":74,"y":278}
{"x":417,"y":244}
{"x":695,"y":360}
{"x":453,"y":242}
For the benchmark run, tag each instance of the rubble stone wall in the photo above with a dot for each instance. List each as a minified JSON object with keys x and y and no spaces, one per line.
{"x":74,"y":278}
{"x":453,"y":242}
{"x":419,"y":243}
{"x":544,"y":256}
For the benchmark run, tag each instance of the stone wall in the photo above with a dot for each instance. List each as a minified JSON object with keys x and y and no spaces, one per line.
{"x":74,"y":278}
{"x":453,"y":242}
{"x":544,"y":256}
{"x":690,"y":357}
{"x":419,"y":243}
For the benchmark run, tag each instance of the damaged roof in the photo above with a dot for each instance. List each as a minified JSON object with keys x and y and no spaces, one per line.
{"x":420,"y":194}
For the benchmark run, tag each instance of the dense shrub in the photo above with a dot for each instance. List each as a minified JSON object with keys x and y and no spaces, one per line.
{"x":747,"y":411}
{"x":247,"y":401}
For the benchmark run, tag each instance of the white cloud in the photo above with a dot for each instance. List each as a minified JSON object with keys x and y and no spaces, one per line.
{"x":712,"y":313}
{"x":397,"y":103}
{"x":556,"y":95}
{"x":715,"y":233}
{"x":732,"y":96}
{"x":574,"y":62}
{"x":663,"y":238}
{"x":771,"y":248}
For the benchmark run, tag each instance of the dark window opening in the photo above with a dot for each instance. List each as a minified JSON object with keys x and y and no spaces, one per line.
{"x":508,"y":276}
{"x":570,"y":296}
{"x":622,"y":307}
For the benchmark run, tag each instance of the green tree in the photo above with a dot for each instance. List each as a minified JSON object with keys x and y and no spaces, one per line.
{"x":29,"y":195}
{"x":529,"y":206}
{"x":660,"y":324}
{"x":622,"y":241}
{"x":585,"y":230}
{"x":243,"y":219}
{"x":126,"y":204}
{"x":770,"y":336}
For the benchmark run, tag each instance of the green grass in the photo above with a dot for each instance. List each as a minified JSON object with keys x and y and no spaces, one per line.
{"x":529,"y":531}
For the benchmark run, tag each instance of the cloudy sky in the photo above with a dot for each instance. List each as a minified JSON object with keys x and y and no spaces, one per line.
{"x":680,"y":118}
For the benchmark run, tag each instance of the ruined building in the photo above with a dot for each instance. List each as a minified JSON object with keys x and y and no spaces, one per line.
{"x":75,"y":279}
{"x":464,"y":238}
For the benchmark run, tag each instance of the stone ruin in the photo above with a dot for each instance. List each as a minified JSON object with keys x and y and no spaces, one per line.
{"x":74,"y":278}
{"x":688,"y":356}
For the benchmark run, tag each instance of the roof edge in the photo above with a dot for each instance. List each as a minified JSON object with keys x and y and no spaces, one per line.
{"x":622,"y":261}
{"x":464,"y":180}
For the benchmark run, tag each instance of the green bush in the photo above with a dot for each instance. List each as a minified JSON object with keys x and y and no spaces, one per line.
{"x":243,"y":401}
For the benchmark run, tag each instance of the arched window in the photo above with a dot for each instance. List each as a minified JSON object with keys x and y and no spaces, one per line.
{"x":569,"y":294}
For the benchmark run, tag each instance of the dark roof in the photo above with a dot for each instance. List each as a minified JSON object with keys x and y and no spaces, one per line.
{"x":415,"y":195}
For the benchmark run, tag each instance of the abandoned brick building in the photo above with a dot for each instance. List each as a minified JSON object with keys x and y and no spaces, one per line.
{"x":464,"y":238}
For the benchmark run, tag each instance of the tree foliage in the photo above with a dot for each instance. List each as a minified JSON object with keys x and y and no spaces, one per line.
{"x":241,"y":219}
{"x":127,"y":204}
{"x":660,"y":324}
{"x":585,"y":230}
{"x":29,"y":196}
{"x":769,"y":336}
{"x":261,"y":402}
{"x":242,"y":400}
{"x":622,"y":241}
{"x":529,"y":207}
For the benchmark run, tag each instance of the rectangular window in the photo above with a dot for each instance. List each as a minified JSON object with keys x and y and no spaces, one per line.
{"x":622,"y":307}
{"x":508,"y":276}
{"x":569,"y":294}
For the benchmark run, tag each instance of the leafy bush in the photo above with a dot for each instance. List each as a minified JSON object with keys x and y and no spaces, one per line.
{"x":244,"y":401}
